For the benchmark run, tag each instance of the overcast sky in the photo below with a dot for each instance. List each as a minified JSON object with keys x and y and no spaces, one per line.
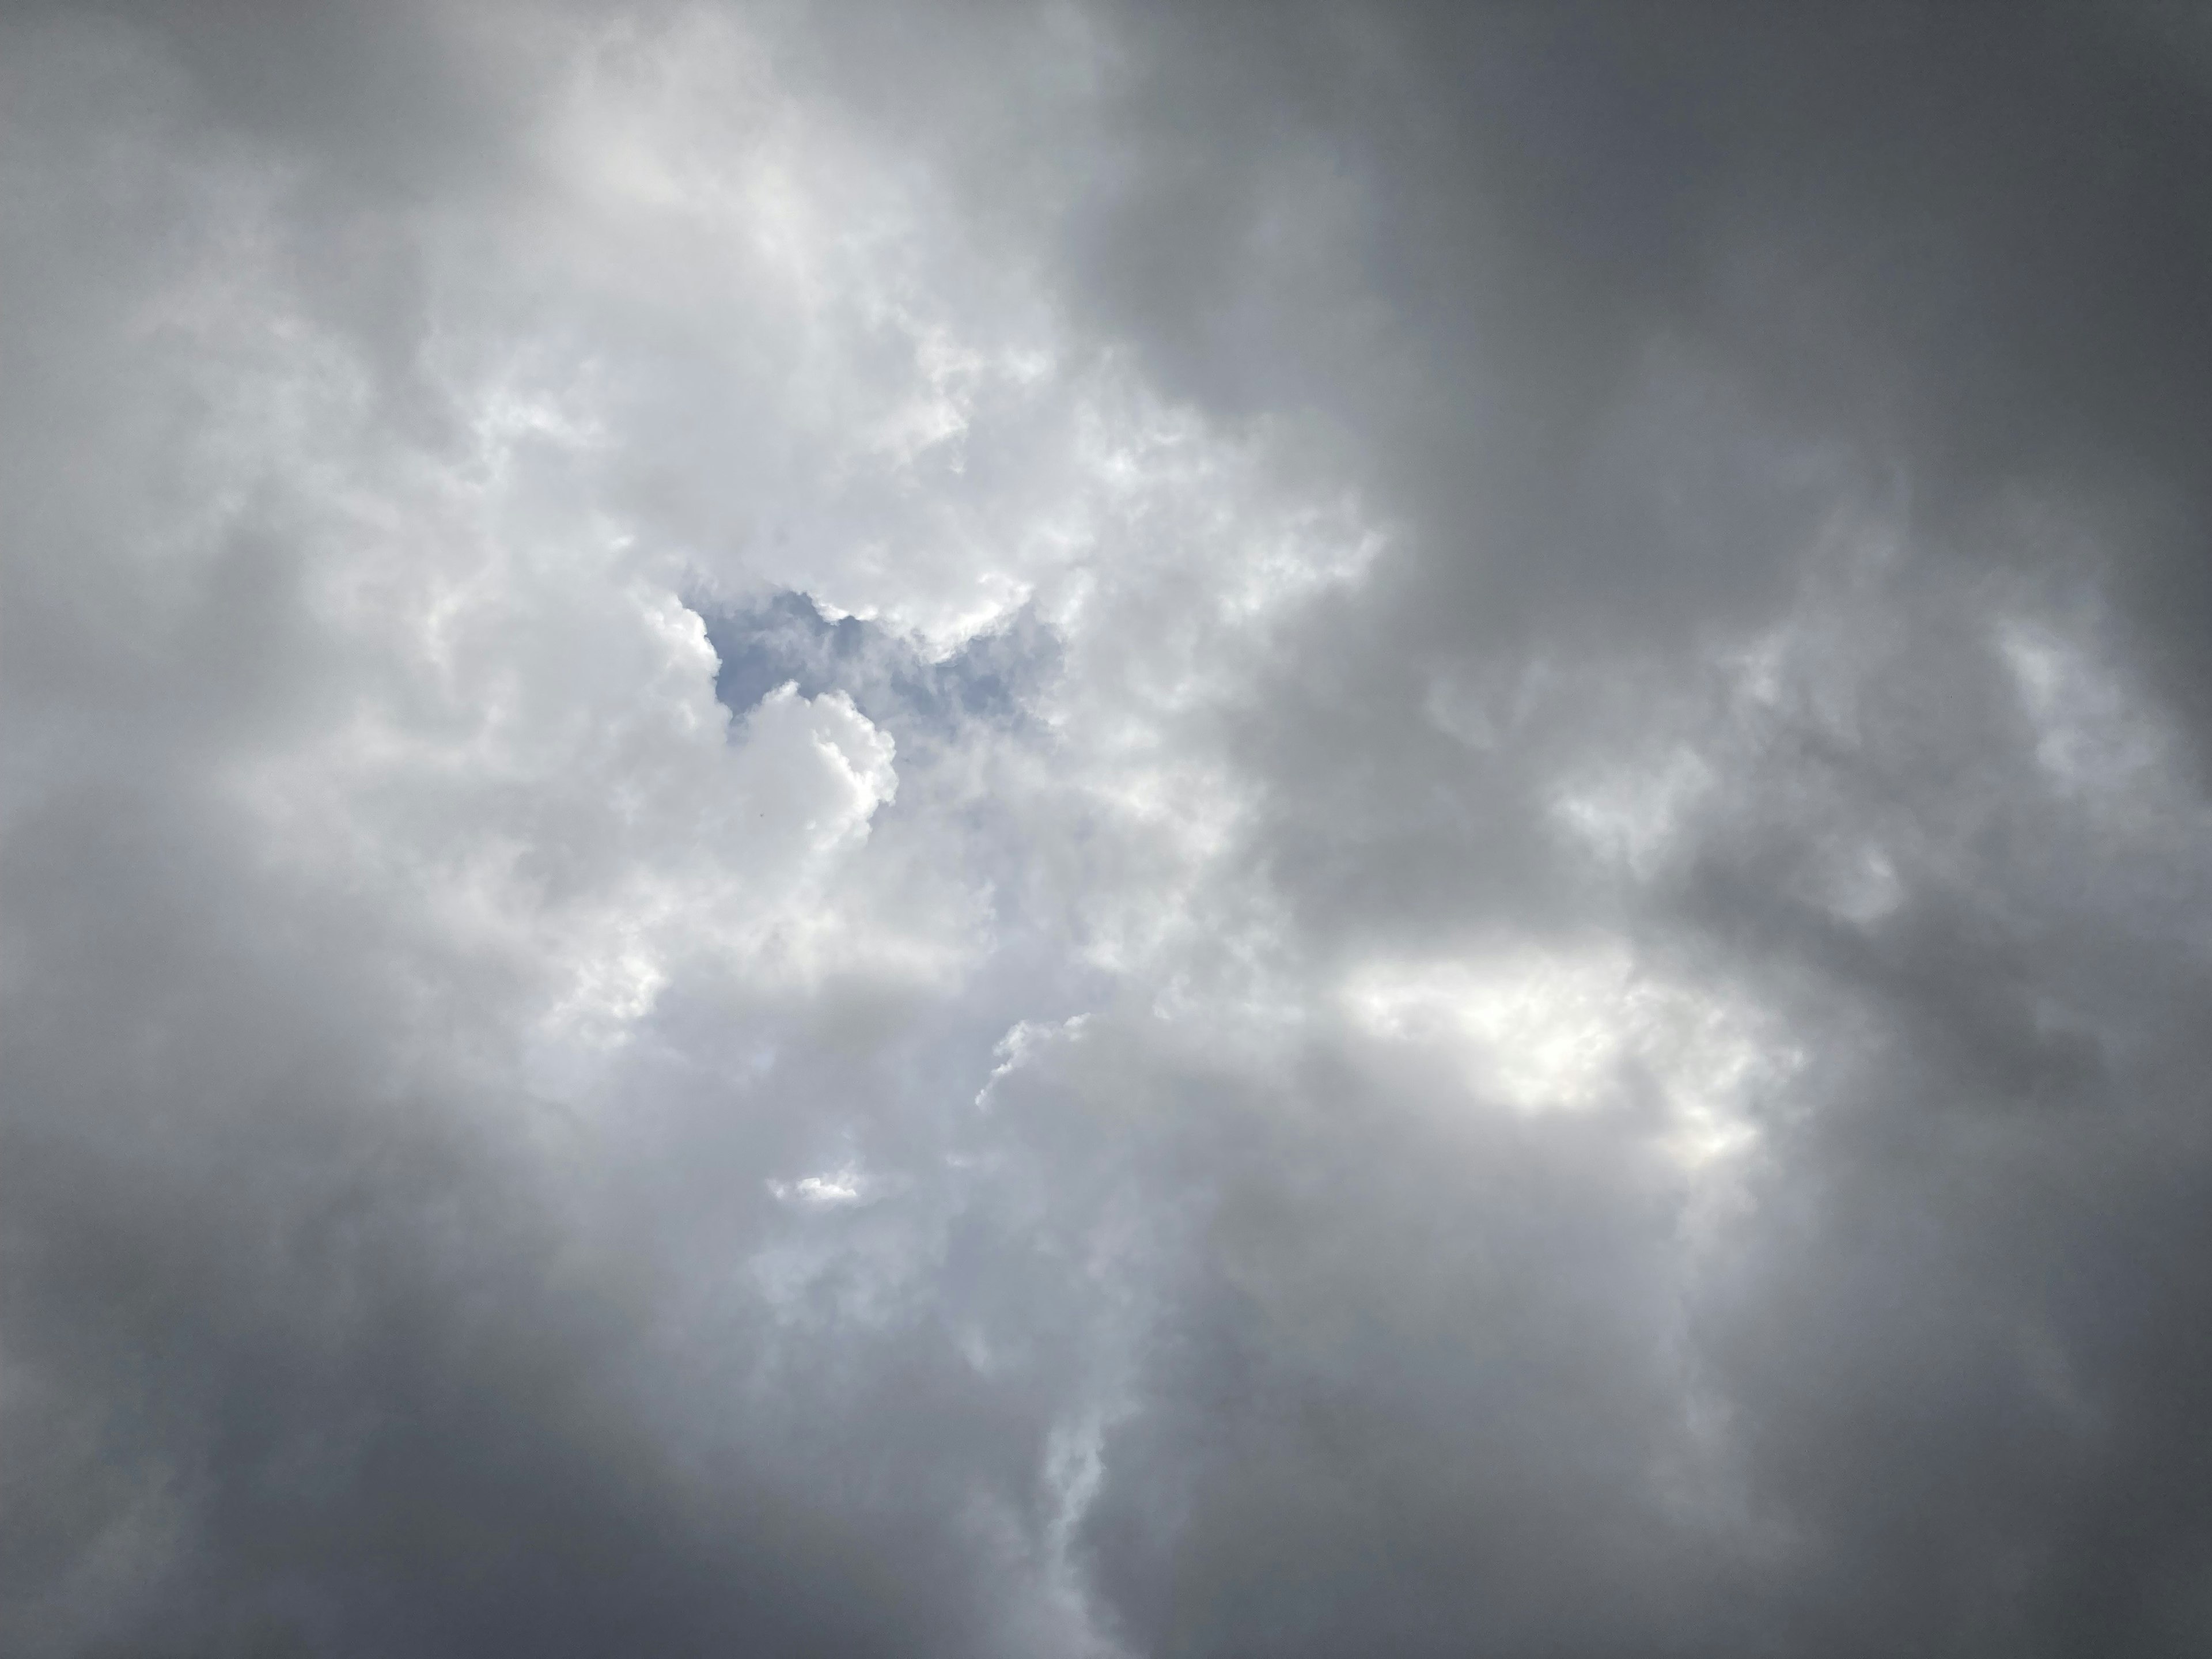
{"x":1092,"y":831}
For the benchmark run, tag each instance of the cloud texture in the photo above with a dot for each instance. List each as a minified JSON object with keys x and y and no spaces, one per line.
{"x":1104,"y":830}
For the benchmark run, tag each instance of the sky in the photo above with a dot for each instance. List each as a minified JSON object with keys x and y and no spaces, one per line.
{"x":1089,"y":830}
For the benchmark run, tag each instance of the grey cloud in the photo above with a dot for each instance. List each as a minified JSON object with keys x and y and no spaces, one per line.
{"x":1618,"y":1073}
{"x":1668,"y":305}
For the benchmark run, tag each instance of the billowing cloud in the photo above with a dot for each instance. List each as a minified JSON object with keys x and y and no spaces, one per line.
{"x":1102,"y":830}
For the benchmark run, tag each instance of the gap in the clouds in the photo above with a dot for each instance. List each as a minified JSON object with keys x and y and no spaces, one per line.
{"x":784,"y":638}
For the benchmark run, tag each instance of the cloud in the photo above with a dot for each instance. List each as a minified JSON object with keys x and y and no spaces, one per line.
{"x":1100,"y":830}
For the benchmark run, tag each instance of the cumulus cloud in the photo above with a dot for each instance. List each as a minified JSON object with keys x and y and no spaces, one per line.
{"x":1100,"y":830}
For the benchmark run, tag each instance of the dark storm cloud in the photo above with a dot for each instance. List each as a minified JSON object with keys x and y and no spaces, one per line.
{"x":1638,"y":1083}
{"x":1641,"y":299}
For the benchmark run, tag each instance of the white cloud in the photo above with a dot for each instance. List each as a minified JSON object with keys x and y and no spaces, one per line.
{"x":1575,"y":1029}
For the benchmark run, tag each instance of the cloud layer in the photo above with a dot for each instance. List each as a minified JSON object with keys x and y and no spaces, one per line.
{"x":1104,"y":830}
